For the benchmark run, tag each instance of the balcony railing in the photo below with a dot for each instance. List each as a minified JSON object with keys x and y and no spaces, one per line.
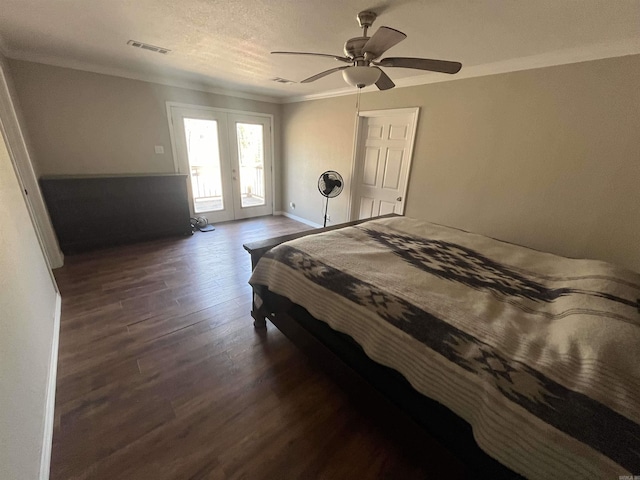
{"x":207,"y":184}
{"x":252,"y":182}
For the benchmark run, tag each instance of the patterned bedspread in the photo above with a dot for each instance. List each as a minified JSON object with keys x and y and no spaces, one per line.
{"x":539,"y":353}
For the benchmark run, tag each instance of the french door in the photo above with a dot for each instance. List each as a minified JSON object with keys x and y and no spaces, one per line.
{"x":227,"y":156}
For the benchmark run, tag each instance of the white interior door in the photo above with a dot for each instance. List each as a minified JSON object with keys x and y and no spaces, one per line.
{"x":383,"y":161}
{"x":228,"y":159}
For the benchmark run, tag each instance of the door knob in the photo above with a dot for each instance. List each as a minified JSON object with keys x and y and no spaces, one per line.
{"x":399,"y":199}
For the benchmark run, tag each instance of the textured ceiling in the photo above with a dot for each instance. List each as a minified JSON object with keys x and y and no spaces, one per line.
{"x":225,"y":44}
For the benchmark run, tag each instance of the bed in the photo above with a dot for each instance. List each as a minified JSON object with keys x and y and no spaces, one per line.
{"x":523,"y":362}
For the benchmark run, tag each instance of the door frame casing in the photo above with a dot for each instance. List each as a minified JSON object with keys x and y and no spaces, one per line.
{"x":174,"y":151}
{"x":12,"y":129}
{"x":357,"y":153}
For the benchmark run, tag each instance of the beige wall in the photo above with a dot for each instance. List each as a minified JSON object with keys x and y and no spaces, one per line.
{"x":548,"y":158}
{"x":28,"y":338}
{"x":317,"y":136}
{"x":89,"y":123}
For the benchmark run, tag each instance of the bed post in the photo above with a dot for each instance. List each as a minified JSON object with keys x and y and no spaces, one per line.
{"x":257,"y":306}
{"x":257,"y":311}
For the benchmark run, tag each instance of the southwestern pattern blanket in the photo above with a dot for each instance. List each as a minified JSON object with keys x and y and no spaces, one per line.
{"x":539,"y":353}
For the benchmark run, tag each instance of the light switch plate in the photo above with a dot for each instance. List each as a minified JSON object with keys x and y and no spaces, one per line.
{"x":159,"y":149}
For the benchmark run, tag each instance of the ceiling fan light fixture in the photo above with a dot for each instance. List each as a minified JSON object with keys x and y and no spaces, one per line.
{"x":360,"y":76}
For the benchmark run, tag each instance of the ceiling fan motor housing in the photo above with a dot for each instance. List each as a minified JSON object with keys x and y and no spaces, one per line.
{"x":353,"y":49}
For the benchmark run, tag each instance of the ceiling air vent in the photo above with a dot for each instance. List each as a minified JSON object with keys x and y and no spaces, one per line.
{"x":146,"y":46}
{"x":282,"y":80}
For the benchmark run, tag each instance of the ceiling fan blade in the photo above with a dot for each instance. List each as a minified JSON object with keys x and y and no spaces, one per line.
{"x":443,"y":66}
{"x":381,"y":41}
{"x":335,"y":57}
{"x":323,"y":74}
{"x":384,"y":82}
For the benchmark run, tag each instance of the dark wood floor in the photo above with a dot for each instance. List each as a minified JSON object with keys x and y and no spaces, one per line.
{"x":162,"y":376}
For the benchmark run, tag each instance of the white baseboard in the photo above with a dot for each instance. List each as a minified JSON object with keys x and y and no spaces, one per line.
{"x":49,"y":414}
{"x":298,"y":219}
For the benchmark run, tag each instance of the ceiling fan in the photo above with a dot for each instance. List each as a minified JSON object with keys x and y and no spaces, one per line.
{"x":362,"y":54}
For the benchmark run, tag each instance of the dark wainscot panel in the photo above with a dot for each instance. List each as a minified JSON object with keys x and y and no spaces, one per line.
{"x":97,"y":211}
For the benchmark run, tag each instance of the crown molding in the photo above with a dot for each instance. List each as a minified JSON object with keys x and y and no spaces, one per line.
{"x":144,"y":77}
{"x":561,"y":57}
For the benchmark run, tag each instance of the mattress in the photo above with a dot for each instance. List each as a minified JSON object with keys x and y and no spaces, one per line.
{"x":540,"y":354}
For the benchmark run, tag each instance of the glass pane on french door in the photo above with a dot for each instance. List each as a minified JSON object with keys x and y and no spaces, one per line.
{"x":203,"y":153}
{"x":251,"y":163}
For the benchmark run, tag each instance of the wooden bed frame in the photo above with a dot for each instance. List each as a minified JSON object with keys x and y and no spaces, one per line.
{"x":346,"y":362}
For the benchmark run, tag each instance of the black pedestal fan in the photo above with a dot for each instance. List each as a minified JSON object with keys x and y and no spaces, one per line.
{"x":330,"y":184}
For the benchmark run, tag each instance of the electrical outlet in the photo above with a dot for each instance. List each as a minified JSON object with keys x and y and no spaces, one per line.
{"x":328,"y":217}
